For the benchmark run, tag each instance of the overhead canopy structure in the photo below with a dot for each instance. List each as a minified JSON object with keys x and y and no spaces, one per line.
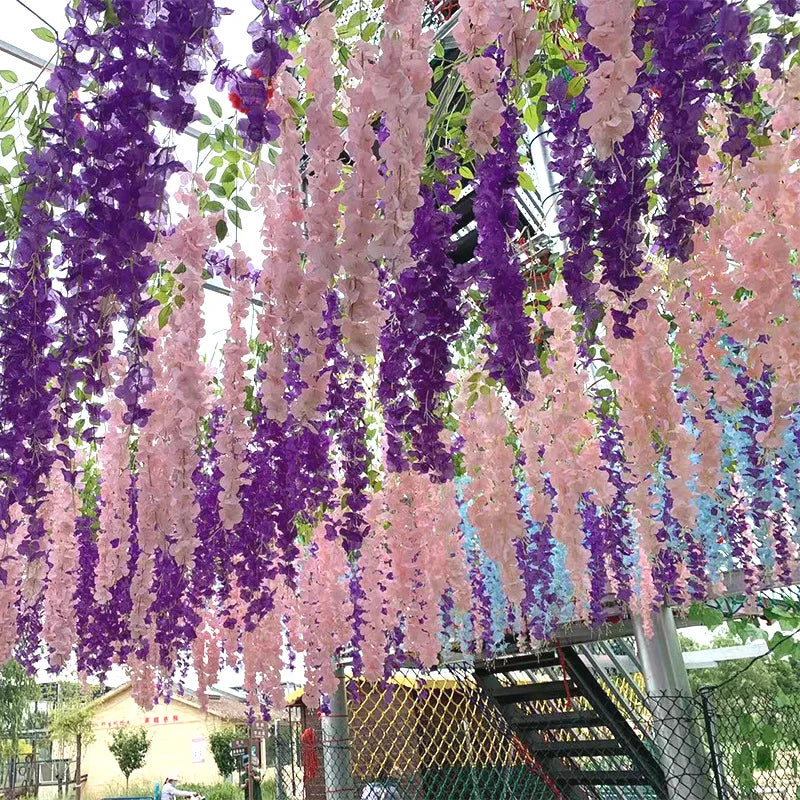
{"x":436,"y":394}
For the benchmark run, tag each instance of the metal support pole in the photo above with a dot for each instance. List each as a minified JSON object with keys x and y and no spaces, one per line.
{"x":251,"y":773}
{"x":280,"y":792}
{"x":339,"y":784}
{"x":708,"y":719}
{"x":684,"y":757}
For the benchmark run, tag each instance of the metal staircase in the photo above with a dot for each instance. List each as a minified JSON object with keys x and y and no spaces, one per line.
{"x":579,"y":731}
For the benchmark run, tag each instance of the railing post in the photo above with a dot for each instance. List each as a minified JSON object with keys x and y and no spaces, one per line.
{"x":708,"y":721}
{"x":683,"y":756}
{"x":339,"y":784}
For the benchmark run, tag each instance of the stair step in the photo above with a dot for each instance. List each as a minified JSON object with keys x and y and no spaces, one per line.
{"x":582,"y":747}
{"x":614,"y":777}
{"x":530,"y":661}
{"x":526,"y":692}
{"x":559,"y":720}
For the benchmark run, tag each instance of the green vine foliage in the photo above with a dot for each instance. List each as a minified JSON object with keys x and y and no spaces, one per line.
{"x":24,"y":112}
{"x":756,"y":703}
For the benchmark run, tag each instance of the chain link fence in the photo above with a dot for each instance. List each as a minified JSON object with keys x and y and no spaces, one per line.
{"x":441,"y":736}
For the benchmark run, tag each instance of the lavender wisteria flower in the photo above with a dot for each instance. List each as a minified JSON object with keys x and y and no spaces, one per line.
{"x":346,"y":410}
{"x":97,"y":186}
{"x":698,"y":52}
{"x":569,"y":146}
{"x":787,"y":7}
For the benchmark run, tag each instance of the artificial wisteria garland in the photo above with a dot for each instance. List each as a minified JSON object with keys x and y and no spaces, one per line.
{"x":405,"y":448}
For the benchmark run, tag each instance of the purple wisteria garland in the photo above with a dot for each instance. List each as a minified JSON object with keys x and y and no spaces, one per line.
{"x":426,"y":316}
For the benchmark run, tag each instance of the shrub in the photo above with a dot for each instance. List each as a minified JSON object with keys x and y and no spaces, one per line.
{"x":231,"y":791}
{"x":220,"y":742}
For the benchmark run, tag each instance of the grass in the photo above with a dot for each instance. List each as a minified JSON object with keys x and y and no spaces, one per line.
{"x":117,"y":789}
{"x":213,"y":791}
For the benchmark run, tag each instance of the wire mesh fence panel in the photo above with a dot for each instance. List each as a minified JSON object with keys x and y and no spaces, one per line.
{"x":757,"y":743}
{"x":444,"y":735}
{"x":729,"y":746}
{"x":428,"y":738}
{"x":289,"y":777}
{"x":680,"y":743}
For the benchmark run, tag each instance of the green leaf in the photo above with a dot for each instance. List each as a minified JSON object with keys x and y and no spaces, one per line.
{"x":45,"y":34}
{"x":213,"y":206}
{"x":7,"y":145}
{"x":369,"y":31}
{"x":163,"y":315}
{"x":764,"y":757}
{"x":525,"y":182}
{"x":747,"y":725}
{"x":203,"y":141}
{"x":531,"y":116}
{"x":222,"y":230}
{"x":575,"y":86}
{"x":111,"y":19}
{"x":234,"y":217}
{"x":215,"y":106}
{"x":218,"y":190}
{"x":340,"y":118}
{"x":710,"y":617}
{"x":240,"y":202}
{"x":8,"y":75}
{"x":297,"y":107}
{"x":466,"y":172}
{"x":769,"y":735}
{"x":230,"y":174}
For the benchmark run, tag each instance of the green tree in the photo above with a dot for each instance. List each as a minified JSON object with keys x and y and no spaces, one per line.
{"x":220,"y":742}
{"x":755,"y":703}
{"x":17,"y":691}
{"x":72,"y":722}
{"x":129,"y":747}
